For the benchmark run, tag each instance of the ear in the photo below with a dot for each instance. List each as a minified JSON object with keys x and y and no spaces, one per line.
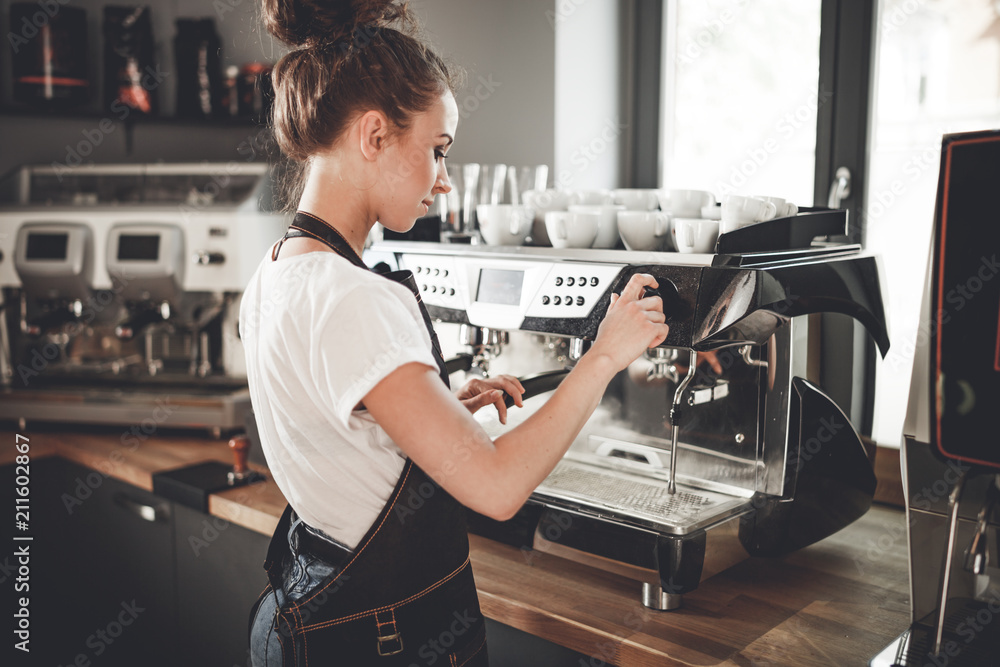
{"x":374,"y":132}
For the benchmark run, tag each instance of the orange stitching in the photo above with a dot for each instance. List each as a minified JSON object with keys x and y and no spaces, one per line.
{"x":362,"y":548}
{"x":476,"y":652}
{"x":362,"y":614}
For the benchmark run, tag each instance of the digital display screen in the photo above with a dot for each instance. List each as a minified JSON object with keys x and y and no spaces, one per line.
{"x":500,"y":286}
{"x":139,"y":247}
{"x":46,"y":246}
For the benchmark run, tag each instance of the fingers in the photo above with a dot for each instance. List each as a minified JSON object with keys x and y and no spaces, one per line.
{"x":501,"y":406}
{"x":482,"y":400}
{"x":512,"y":386}
{"x":634,"y":288}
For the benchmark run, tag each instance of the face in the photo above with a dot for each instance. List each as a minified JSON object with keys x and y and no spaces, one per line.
{"x":412,"y":167}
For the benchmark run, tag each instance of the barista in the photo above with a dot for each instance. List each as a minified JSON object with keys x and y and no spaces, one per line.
{"x":369,"y":563}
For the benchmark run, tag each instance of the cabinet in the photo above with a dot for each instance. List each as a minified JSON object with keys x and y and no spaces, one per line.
{"x":115,"y":579}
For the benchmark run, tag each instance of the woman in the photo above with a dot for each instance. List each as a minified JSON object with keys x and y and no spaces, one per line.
{"x":369,"y":563}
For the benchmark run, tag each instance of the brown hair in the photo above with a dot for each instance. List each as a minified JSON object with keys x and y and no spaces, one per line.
{"x":347,"y":57}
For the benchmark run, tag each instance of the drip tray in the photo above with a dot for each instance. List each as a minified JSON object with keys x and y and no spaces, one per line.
{"x":619,"y":494}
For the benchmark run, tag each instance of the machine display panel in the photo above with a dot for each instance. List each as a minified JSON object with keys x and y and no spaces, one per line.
{"x":47,"y":246}
{"x":139,"y":247}
{"x":500,"y":286}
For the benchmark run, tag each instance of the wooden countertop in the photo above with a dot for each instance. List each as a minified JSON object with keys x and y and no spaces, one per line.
{"x":838,"y":602}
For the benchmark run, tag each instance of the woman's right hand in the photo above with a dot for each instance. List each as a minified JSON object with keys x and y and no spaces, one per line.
{"x":632,"y":323}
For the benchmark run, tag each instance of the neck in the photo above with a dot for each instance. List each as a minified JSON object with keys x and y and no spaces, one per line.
{"x":331,"y":195}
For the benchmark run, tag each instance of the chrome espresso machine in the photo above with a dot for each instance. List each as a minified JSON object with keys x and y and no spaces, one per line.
{"x":684,"y":469}
{"x":950,"y":449}
{"x":120,"y":288}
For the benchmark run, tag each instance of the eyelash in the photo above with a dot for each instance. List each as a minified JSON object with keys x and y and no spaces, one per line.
{"x":438,"y":155}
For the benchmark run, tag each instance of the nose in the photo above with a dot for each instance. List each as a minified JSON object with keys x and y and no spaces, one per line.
{"x":443,"y":184}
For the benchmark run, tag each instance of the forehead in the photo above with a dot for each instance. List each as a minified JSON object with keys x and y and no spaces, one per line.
{"x":440,"y":118}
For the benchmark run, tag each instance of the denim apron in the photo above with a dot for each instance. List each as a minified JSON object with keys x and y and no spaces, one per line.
{"x":404,"y":596}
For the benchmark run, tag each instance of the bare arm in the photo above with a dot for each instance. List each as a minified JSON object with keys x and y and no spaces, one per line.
{"x":495,"y":477}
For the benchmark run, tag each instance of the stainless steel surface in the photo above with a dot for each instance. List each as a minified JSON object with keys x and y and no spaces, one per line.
{"x":128,"y":295}
{"x":654,"y":597}
{"x":675,"y":420}
{"x":954,"y":500}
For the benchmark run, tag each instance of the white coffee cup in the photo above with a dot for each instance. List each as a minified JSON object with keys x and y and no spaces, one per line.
{"x":594,"y":197}
{"x":738,"y":211}
{"x":711,"y":212}
{"x":694,"y":234}
{"x":543,"y":201}
{"x":504,"y":224}
{"x":784,"y":208}
{"x":636,"y":199}
{"x":645,"y":230}
{"x":684,"y":203}
{"x":607,"y":232}
{"x":572,"y":229}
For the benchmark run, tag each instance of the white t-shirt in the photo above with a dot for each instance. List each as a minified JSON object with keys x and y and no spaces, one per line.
{"x":319,"y":333}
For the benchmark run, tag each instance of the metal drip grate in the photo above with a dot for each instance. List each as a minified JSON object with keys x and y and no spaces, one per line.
{"x":633,"y":496}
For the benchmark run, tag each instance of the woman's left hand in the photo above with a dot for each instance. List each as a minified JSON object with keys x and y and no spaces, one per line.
{"x":480,"y":392}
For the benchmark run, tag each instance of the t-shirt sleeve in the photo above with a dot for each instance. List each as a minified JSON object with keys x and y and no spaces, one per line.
{"x":364,"y":337}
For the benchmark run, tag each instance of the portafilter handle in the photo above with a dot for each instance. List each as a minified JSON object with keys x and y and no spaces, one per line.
{"x":537,"y":384}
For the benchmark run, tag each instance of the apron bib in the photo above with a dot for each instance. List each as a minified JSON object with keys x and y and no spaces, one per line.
{"x":405,"y":595}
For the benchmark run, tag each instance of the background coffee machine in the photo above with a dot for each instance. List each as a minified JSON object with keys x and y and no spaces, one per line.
{"x":121,"y":288}
{"x":951,"y":452}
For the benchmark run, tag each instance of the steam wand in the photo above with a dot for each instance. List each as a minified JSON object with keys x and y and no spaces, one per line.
{"x":675,"y":420}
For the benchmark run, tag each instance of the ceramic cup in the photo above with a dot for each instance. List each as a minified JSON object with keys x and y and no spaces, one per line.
{"x":594,"y":197}
{"x":572,"y":229}
{"x":636,"y":199}
{"x":504,"y":224}
{"x":541,"y":202}
{"x":711,"y":212}
{"x":694,"y":234}
{"x":784,"y":208}
{"x":740,"y":211}
{"x":684,"y":203}
{"x":645,"y":230}
{"x":607,"y":232}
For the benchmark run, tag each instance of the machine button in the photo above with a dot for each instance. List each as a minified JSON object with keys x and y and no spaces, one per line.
{"x":594,"y":281}
{"x":423,"y":288}
{"x":582,"y":281}
{"x":545,"y":300}
{"x":444,"y":272}
{"x":569,"y":301}
{"x":559,"y":282}
{"x":420,"y":269}
{"x":437,"y":272}
{"x":579,"y":300}
{"x":556,"y":300}
{"x":570,"y":282}
{"x":451,"y":292}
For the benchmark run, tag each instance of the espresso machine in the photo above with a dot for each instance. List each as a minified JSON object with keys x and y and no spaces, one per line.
{"x":950,"y":452}
{"x":715,"y":445}
{"x":121,"y":288}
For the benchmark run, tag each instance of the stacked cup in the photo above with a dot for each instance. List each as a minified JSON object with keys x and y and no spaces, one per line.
{"x":694,"y":216}
{"x":641,"y":226}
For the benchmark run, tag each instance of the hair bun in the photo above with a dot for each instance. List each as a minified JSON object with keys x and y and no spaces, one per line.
{"x":310,"y":22}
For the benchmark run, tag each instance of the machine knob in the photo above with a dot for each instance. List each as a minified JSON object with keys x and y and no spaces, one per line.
{"x":205,"y":257}
{"x":240,"y":446}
